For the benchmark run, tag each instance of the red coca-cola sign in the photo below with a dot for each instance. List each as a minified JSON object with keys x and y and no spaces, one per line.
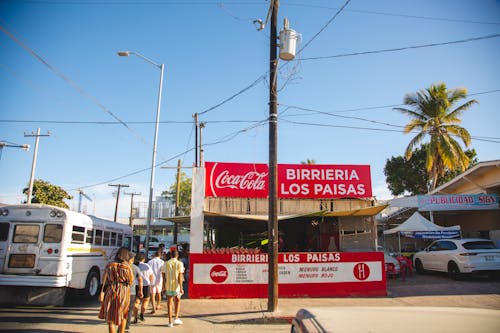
{"x":319,"y":181}
{"x":241,"y":180}
{"x":219,"y":273}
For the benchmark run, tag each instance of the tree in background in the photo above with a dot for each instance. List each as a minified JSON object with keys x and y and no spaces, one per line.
{"x":434,"y":115}
{"x":410,"y":176}
{"x":184,"y":197}
{"x":308,"y":161}
{"x":46,"y":193}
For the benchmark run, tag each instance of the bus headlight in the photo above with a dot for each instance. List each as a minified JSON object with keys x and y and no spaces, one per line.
{"x":4,"y":212}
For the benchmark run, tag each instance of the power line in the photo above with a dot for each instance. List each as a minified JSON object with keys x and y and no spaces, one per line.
{"x":341,"y":116}
{"x":225,"y":139}
{"x":72,"y":83}
{"x":394,"y":14}
{"x":222,"y":4}
{"x":477,"y":138}
{"x":263,"y":76}
{"x":78,"y":122}
{"x":403,"y":48}
{"x":324,"y":27}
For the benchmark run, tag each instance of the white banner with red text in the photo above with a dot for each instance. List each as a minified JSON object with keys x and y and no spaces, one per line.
{"x":304,"y":274}
{"x":250,"y":180}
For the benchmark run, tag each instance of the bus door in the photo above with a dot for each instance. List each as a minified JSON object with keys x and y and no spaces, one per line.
{"x":34,"y":248}
{"x":23,"y":250}
{"x":4,"y":242}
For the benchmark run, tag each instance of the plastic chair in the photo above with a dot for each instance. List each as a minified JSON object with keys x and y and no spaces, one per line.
{"x":390,"y":270}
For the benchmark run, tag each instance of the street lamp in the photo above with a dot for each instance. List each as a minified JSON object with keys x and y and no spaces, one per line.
{"x":3,"y":144}
{"x":153,"y":162}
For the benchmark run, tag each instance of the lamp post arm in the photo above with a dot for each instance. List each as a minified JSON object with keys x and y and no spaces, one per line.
{"x":147,"y":59}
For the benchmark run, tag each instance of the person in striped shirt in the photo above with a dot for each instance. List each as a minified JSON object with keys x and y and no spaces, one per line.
{"x":173,"y":271}
{"x":118,"y":278}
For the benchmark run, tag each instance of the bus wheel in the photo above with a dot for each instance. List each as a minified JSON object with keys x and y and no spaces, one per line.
{"x":92,"y":284}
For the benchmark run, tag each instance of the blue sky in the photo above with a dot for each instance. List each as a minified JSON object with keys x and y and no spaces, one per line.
{"x":59,"y":71}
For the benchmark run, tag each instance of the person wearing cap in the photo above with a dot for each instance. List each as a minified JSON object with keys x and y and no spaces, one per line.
{"x":173,"y":271}
{"x":135,"y":290}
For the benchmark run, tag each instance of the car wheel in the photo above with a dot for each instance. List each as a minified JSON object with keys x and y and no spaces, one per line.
{"x":454,"y":271}
{"x":419,"y":267}
{"x":92,"y":284}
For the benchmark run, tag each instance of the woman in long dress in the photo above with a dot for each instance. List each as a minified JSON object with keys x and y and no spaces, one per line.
{"x":117,"y":281}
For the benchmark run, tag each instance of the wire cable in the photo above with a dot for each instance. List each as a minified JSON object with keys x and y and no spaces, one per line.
{"x":467,"y":40}
{"x":477,"y":138}
{"x":225,"y":139}
{"x":393,"y":14}
{"x":72,"y":83}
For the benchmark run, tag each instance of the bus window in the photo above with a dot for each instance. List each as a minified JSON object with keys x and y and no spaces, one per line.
{"x":52,"y":233}
{"x":90,"y":236}
{"x":26,"y":233}
{"x":120,"y":240}
{"x":4,"y":231}
{"x":106,"y":238}
{"x":98,"y":237}
{"x":78,"y":235}
{"x":113,"y":239}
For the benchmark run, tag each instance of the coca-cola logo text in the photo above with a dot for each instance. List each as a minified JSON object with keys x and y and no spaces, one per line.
{"x":252,"y":180}
{"x":219,"y":273}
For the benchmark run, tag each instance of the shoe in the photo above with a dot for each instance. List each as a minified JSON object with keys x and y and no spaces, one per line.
{"x":170,"y":325}
{"x":153,"y":312}
{"x":178,"y":322}
{"x":141,"y":317}
{"x":134,"y":321}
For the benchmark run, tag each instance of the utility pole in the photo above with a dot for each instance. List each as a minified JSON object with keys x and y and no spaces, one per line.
{"x":196,"y":140}
{"x":177,"y":199}
{"x":117,"y":196}
{"x":272,"y":226}
{"x":37,"y":136}
{"x":202,"y":126}
{"x":80,"y":195}
{"x":131,"y":219}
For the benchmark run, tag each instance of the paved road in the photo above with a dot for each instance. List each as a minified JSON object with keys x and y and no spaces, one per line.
{"x":250,"y":315}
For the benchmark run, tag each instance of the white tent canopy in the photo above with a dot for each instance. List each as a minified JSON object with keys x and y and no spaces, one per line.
{"x":416,"y":223}
{"x":419,"y":224}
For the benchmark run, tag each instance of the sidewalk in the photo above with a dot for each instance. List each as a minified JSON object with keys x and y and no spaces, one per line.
{"x":250,"y":315}
{"x":207,"y":315}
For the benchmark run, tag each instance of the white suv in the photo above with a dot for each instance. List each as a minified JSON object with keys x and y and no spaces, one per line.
{"x":457,"y":256}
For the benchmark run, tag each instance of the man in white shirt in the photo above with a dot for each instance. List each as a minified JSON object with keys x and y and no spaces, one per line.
{"x":156,"y":265}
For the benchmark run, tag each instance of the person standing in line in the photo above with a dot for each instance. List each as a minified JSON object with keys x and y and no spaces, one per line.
{"x":173,"y":271}
{"x":148,"y":279}
{"x":116,"y":292}
{"x":156,"y":265}
{"x":135,"y":289}
{"x":163,"y":251}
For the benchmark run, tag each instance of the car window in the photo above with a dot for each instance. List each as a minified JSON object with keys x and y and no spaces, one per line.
{"x":447,"y":246}
{"x":479,"y":245}
{"x":434,"y":247}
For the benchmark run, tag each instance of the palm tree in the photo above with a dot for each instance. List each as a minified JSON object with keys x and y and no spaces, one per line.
{"x":434,"y":114}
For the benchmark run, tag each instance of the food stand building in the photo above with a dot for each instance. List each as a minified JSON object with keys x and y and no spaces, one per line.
{"x":327,"y":231}
{"x":470,"y":201}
